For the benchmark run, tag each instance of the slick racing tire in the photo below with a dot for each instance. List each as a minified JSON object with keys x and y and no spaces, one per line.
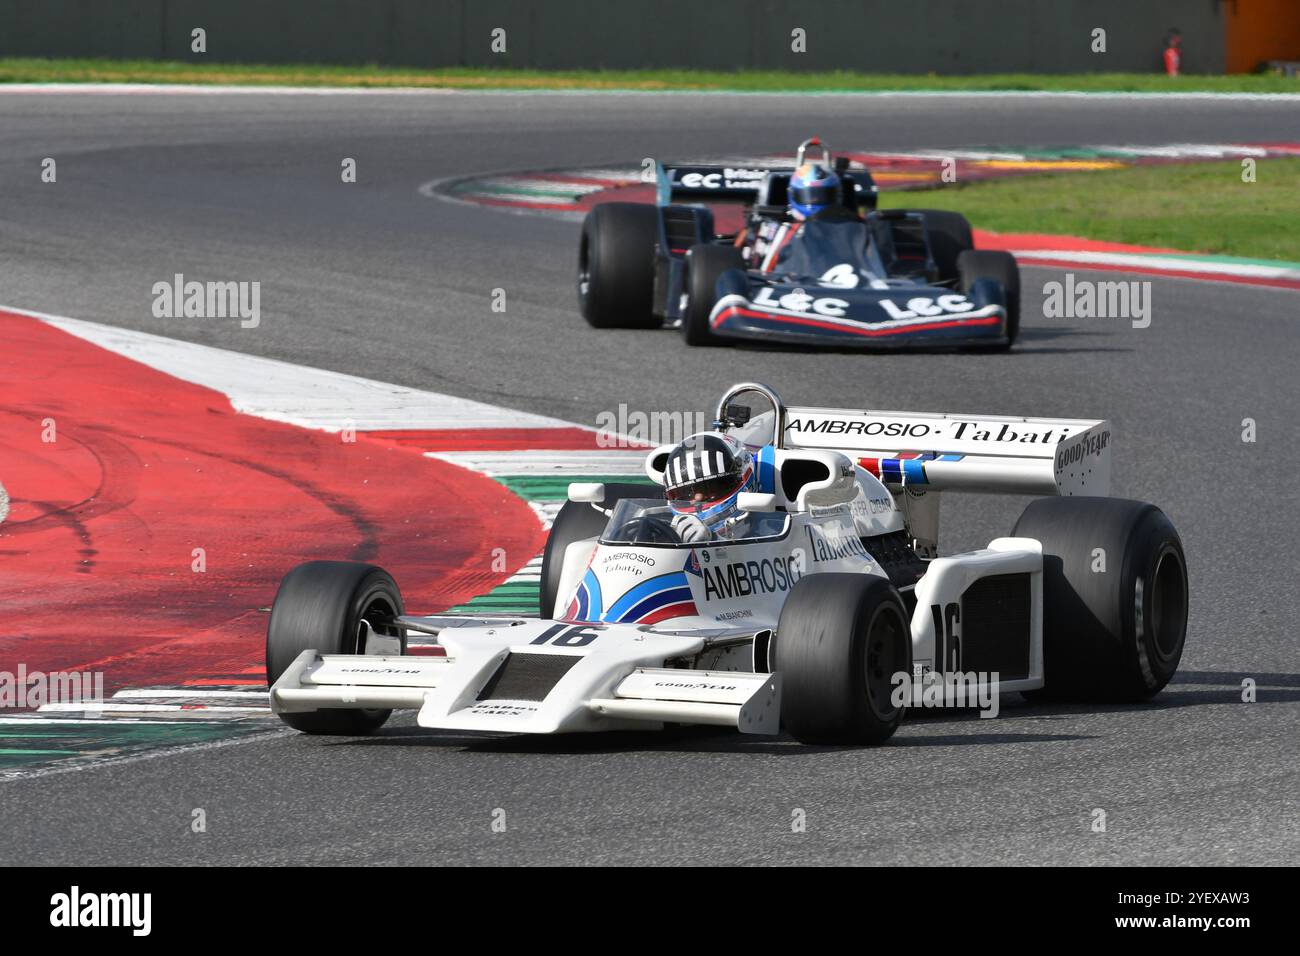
{"x":616,"y":266}
{"x":1114,"y":597}
{"x":1000,"y":266}
{"x":950,"y":236}
{"x":704,"y":265}
{"x":577,"y":521}
{"x":320,"y":606}
{"x":840,"y":641}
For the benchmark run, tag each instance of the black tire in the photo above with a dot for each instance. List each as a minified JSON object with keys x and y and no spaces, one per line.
{"x":1000,"y":266}
{"x":320,"y":606}
{"x":1100,"y":641}
{"x":950,"y":236}
{"x":575,"y":521}
{"x":840,"y":641}
{"x":704,"y":264}
{"x":616,"y":266}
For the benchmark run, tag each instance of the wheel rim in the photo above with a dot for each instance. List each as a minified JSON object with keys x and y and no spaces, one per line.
{"x":584,"y":269}
{"x":379,"y":613}
{"x":1168,"y":603}
{"x":885,"y":657}
{"x":684,"y":305}
{"x":381,"y":617}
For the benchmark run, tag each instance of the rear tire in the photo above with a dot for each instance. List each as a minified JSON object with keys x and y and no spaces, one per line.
{"x":616,"y":266}
{"x":576,"y":521}
{"x":1001,"y":267}
{"x":840,"y":641}
{"x":704,"y":265}
{"x":1116,"y":634}
{"x":320,"y":606}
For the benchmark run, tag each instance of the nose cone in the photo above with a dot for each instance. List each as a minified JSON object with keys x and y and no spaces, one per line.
{"x":636,"y":585}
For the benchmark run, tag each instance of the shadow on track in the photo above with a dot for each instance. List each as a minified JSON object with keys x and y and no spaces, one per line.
{"x":1272,"y":688}
{"x":1026,"y":344}
{"x":705,"y":740}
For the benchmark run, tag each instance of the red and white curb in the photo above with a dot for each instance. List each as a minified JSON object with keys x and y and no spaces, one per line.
{"x":215,"y":664}
{"x":1087,"y":255}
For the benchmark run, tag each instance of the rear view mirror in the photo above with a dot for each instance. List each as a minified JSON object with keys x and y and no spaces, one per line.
{"x":754,"y":501}
{"x":592,"y":492}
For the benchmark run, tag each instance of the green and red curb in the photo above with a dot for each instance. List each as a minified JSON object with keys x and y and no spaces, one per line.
{"x":1072,"y":252}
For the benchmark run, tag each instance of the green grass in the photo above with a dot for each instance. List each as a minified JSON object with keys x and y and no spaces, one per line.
{"x":155,"y":71}
{"x":1196,"y":207}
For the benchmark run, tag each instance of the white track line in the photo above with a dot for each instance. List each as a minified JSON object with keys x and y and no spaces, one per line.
{"x":1156,"y":261}
{"x":96,"y":762}
{"x":165,"y":692}
{"x":121,"y":708}
{"x":534,"y":463}
{"x":177,"y":89}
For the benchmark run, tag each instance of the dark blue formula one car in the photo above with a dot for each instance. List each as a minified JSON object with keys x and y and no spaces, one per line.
{"x":815,"y":264}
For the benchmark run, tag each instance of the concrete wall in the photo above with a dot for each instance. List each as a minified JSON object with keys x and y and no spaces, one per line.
{"x":891,"y":36}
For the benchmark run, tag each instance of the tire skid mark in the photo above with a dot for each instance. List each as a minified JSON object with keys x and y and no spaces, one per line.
{"x":345,"y":508}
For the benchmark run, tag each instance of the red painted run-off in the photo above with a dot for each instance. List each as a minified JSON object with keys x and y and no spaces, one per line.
{"x":96,"y":555}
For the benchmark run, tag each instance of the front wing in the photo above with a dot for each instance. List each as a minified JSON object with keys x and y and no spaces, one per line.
{"x":501,"y":679}
{"x":860,"y":322}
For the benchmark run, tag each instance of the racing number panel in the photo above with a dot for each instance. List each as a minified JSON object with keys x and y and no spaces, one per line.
{"x":989,"y":630}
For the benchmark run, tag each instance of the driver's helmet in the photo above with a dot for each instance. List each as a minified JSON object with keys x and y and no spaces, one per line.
{"x":813,"y":188}
{"x":705,"y":475}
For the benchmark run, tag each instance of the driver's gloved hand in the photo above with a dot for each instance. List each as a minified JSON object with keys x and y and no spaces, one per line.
{"x":690,"y":528}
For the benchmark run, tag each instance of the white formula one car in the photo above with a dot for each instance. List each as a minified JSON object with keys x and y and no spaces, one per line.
{"x":829,"y":597}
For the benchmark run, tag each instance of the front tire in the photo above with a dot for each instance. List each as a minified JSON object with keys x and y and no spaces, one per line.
{"x":705,"y":264}
{"x":616,"y":266}
{"x":320,"y":607}
{"x":1001,"y":267}
{"x":1114,"y":596}
{"x":840,"y":642}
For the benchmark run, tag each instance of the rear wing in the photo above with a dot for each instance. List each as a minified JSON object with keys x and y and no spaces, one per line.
{"x":981,"y":453}
{"x":693,"y":181}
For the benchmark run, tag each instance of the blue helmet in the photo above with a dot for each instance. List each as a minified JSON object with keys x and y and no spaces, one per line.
{"x":813,"y":188}
{"x":705,"y":475}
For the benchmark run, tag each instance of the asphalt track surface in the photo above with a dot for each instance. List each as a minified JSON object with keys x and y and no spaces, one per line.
{"x":376,"y":280}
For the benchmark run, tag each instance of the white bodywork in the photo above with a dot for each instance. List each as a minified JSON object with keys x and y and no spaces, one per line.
{"x":700,"y":653}
{"x":615,"y":680}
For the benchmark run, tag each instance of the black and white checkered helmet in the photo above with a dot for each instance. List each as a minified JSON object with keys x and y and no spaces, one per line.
{"x":706,"y":472}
